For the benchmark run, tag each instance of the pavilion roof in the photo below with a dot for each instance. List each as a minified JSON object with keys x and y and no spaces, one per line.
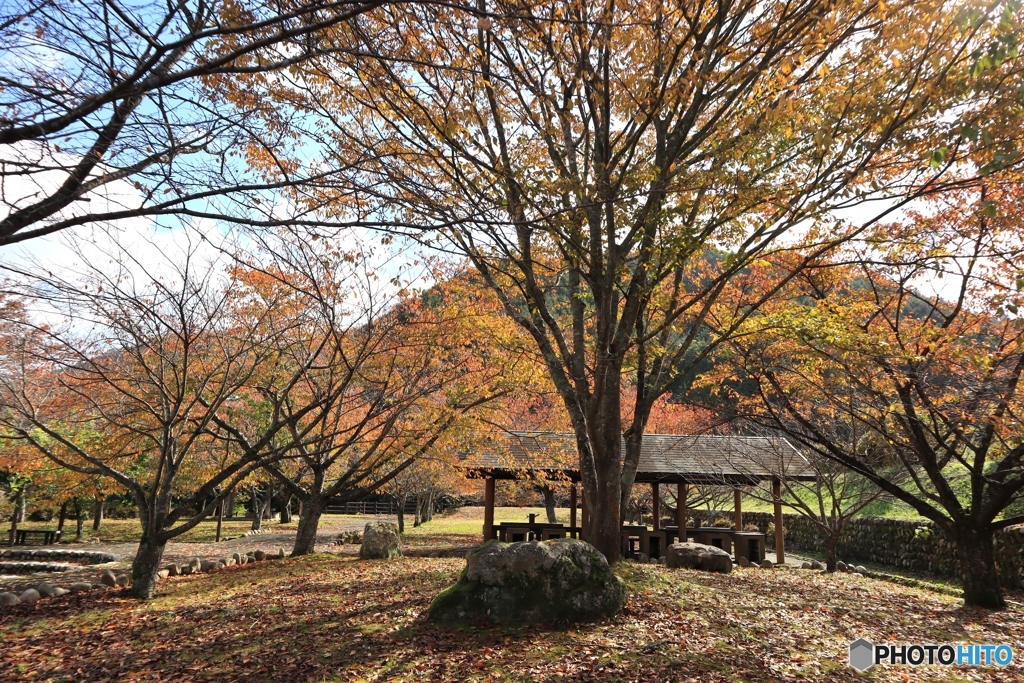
{"x":698,"y":459}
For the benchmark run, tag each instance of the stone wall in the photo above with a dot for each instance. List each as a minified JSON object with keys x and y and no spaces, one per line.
{"x":915,"y":546}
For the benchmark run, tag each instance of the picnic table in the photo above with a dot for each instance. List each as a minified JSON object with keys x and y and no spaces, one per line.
{"x":512,"y":532}
{"x":44,"y":536}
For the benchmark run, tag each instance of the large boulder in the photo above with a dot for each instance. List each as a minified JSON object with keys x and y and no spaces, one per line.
{"x":381,"y":541}
{"x":532,"y":582}
{"x":698,"y":556}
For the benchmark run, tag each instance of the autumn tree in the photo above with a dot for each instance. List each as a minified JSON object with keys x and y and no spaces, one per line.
{"x":608,"y":167}
{"x":150,"y":364}
{"x":112,"y":110}
{"x":915,"y":345}
{"x":395,"y":372}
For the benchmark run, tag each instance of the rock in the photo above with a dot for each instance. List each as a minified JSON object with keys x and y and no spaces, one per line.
{"x":228,"y":561}
{"x":660,"y":560}
{"x":817,"y":565}
{"x":642,"y":558}
{"x":259,"y":555}
{"x":860,"y":569}
{"x":532,"y":582}
{"x":206,"y":566}
{"x":79,"y":586}
{"x":100,"y":586}
{"x":196,"y":564}
{"x":805,"y":565}
{"x":46,"y":590}
{"x":767,"y":564}
{"x":744,"y":562}
{"x":381,"y":541}
{"x":185,"y":569}
{"x":841,"y":566}
{"x":58,"y":591}
{"x":9,"y":600}
{"x":29,"y":597}
{"x":172,"y":570}
{"x":122,"y":580}
{"x":280,"y":553}
{"x":163,"y":574}
{"x":237,"y":558}
{"x":698,"y":556}
{"x":107,"y":578}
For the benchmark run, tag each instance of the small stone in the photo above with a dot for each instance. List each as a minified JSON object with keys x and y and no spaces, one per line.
{"x":237,"y":558}
{"x":45,"y":590}
{"x":280,"y":553}
{"x":841,"y":566}
{"x":196,"y":564}
{"x":207,"y":566}
{"x":107,"y":578}
{"x":186,"y":569}
{"x":767,"y":564}
{"x":228,"y":561}
{"x":163,"y":574}
{"x":122,"y":580}
{"x":58,"y":591}
{"x":817,"y":565}
{"x":173,"y":570}
{"x":79,"y":586}
{"x":29,"y":597}
{"x":805,"y":565}
{"x":100,"y":586}
{"x":744,"y":562}
{"x":9,"y":600}
{"x":259,"y":555}
{"x":861,"y":569}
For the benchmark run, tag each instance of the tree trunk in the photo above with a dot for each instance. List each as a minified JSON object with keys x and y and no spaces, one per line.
{"x":257,"y":509}
{"x":19,"y":508}
{"x":400,"y":501}
{"x":549,"y":504}
{"x":62,"y":516}
{"x":830,"y":551}
{"x":229,"y":504}
{"x":97,"y":513}
{"x":145,"y":567}
{"x":79,"y":519}
{"x":286,"y":510}
{"x":268,"y":513}
{"x":978,"y":568}
{"x":220,"y":518}
{"x":416,"y":518}
{"x":309,"y":521}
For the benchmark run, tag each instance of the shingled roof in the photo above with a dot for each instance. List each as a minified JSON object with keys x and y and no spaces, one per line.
{"x":697,"y":459}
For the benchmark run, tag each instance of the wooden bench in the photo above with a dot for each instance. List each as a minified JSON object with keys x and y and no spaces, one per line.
{"x":39,"y":536}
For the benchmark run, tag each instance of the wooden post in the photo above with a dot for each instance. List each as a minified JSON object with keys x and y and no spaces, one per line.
{"x":655,"y":506}
{"x":572,"y":505}
{"x":585,"y":521}
{"x":681,"y":493}
{"x":488,"y":508}
{"x":780,"y":550}
{"x":737,"y":511}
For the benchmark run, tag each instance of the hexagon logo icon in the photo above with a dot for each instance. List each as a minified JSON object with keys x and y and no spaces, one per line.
{"x":862,"y":654}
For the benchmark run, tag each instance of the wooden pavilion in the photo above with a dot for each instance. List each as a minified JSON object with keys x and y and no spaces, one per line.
{"x":735,"y":461}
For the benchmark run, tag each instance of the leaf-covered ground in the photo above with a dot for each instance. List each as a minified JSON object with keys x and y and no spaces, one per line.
{"x":335,"y":618}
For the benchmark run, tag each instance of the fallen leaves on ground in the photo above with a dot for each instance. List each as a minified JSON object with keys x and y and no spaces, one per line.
{"x":335,"y":618}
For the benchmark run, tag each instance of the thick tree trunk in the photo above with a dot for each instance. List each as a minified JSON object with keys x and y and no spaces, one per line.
{"x":978,"y":568}
{"x":309,"y":521}
{"x":145,"y":568}
{"x":97,"y":513}
{"x":549,"y":504}
{"x":257,"y":509}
